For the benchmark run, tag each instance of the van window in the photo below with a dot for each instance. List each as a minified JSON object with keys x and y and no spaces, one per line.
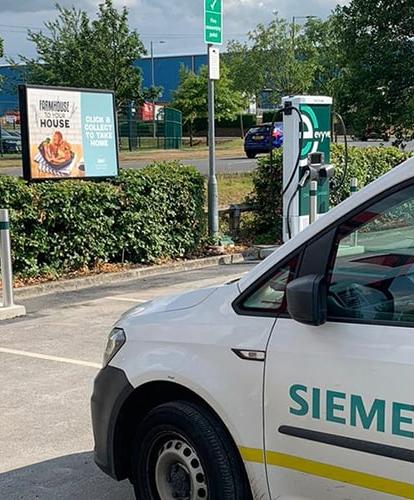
{"x":272,"y":294}
{"x":372,"y":279}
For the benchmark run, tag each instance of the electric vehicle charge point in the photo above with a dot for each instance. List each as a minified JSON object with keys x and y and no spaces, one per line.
{"x":312,"y":114}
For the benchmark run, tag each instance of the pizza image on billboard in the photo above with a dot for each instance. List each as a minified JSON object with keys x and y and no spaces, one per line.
{"x":68,"y":133}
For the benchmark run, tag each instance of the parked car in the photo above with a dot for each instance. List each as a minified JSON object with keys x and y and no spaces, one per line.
{"x":10,"y":142}
{"x":257,"y":139}
{"x":294,"y":382}
{"x":14,"y":133}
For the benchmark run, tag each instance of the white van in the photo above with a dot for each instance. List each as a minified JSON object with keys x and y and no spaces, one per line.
{"x":295,"y":382}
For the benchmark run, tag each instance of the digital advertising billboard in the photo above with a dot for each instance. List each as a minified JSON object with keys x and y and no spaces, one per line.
{"x":68,"y":133}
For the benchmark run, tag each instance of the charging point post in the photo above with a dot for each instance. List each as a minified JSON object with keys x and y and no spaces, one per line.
{"x":315,"y":137}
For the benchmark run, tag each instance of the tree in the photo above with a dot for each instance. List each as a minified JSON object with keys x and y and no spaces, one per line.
{"x":1,"y":55}
{"x":319,"y":45}
{"x":191,"y":97}
{"x":377,"y":83}
{"x":270,"y":61}
{"x":79,"y":52}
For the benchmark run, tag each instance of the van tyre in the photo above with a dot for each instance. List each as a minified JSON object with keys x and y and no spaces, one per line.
{"x":181,"y":451}
{"x":250,"y":154}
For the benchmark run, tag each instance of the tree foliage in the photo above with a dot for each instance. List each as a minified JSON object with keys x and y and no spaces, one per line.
{"x":191,"y":97}
{"x":319,"y":48}
{"x":361,"y":55}
{"x":77,"y":51}
{"x":271,"y":60}
{"x":377,"y":49}
{"x":1,"y":55}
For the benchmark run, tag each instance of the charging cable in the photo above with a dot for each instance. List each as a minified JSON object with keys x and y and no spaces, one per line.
{"x":300,"y":185}
{"x":345,"y":171}
{"x":288,"y":107}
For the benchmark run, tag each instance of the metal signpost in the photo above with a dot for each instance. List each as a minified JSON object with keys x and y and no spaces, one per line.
{"x":213,"y":35}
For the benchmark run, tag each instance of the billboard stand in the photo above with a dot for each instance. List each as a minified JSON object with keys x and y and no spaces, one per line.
{"x":68,"y":133}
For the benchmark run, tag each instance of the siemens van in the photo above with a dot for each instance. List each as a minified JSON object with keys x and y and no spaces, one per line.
{"x":295,"y":382}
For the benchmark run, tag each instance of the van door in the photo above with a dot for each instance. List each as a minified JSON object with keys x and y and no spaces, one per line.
{"x":339,"y":398}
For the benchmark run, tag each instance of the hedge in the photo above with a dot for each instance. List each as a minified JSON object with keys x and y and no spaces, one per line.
{"x":142,"y":216}
{"x":270,"y":116}
{"x":201,"y":124}
{"x":366,"y":164}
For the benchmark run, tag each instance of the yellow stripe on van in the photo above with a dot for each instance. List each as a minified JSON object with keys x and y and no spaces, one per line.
{"x":361,"y":479}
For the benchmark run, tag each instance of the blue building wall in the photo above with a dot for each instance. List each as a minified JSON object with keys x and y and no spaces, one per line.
{"x":167,"y":74}
{"x":167,"y":71}
{"x":8,"y":88}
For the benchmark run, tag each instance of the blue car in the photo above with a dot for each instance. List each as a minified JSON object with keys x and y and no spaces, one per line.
{"x":257,"y":139}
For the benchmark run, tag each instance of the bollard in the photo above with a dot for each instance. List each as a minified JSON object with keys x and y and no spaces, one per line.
{"x":5,"y":259}
{"x":313,"y":201}
{"x":9,"y":309}
{"x":354,"y":185}
{"x":234,"y":216}
{"x":354,"y":189}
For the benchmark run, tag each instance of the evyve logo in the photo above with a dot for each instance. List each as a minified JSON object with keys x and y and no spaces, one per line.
{"x":322,"y":135}
{"x":316,"y":132}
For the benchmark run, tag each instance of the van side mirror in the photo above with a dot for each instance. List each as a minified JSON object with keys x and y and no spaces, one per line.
{"x":307,"y":299}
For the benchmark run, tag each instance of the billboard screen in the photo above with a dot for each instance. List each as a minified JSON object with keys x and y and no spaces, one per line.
{"x":68,"y":133}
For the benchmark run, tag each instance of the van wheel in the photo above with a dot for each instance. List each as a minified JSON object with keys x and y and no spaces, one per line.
{"x":250,"y":154}
{"x":181,"y":451}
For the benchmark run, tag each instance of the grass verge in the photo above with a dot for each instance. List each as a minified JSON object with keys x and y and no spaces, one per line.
{"x":234,"y":188}
{"x":227,"y":147}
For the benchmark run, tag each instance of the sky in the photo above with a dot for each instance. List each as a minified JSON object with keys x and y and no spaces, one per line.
{"x":179,"y":23}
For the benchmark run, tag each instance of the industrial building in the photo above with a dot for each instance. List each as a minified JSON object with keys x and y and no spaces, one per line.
{"x":166,"y":73}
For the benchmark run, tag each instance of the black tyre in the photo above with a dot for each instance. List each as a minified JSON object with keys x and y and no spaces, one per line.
{"x":250,"y":154}
{"x":181,"y":451}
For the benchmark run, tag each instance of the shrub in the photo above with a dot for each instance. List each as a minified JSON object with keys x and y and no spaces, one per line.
{"x":162,"y":212}
{"x":201,"y":124}
{"x":139,"y":217}
{"x":366,"y":164}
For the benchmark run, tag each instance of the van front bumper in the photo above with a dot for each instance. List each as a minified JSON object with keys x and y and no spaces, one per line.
{"x":111,"y":390}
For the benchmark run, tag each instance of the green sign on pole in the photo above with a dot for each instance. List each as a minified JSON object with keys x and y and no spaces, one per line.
{"x":213,"y":21}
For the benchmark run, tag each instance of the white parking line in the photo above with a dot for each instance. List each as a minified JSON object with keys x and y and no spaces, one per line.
{"x":50,"y":358}
{"x":127,"y":299}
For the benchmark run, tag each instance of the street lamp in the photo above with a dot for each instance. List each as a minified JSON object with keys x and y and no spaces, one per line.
{"x":154,"y":131}
{"x":294,"y":18}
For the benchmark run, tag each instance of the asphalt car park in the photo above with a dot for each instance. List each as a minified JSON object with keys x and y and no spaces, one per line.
{"x":48,"y":362}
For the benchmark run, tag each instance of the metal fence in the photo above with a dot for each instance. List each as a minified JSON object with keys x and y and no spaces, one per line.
{"x":10,"y":141}
{"x":164,"y":130}
{"x":136,"y":131}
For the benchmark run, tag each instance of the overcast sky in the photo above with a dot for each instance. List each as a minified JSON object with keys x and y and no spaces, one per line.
{"x":178,"y":22}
